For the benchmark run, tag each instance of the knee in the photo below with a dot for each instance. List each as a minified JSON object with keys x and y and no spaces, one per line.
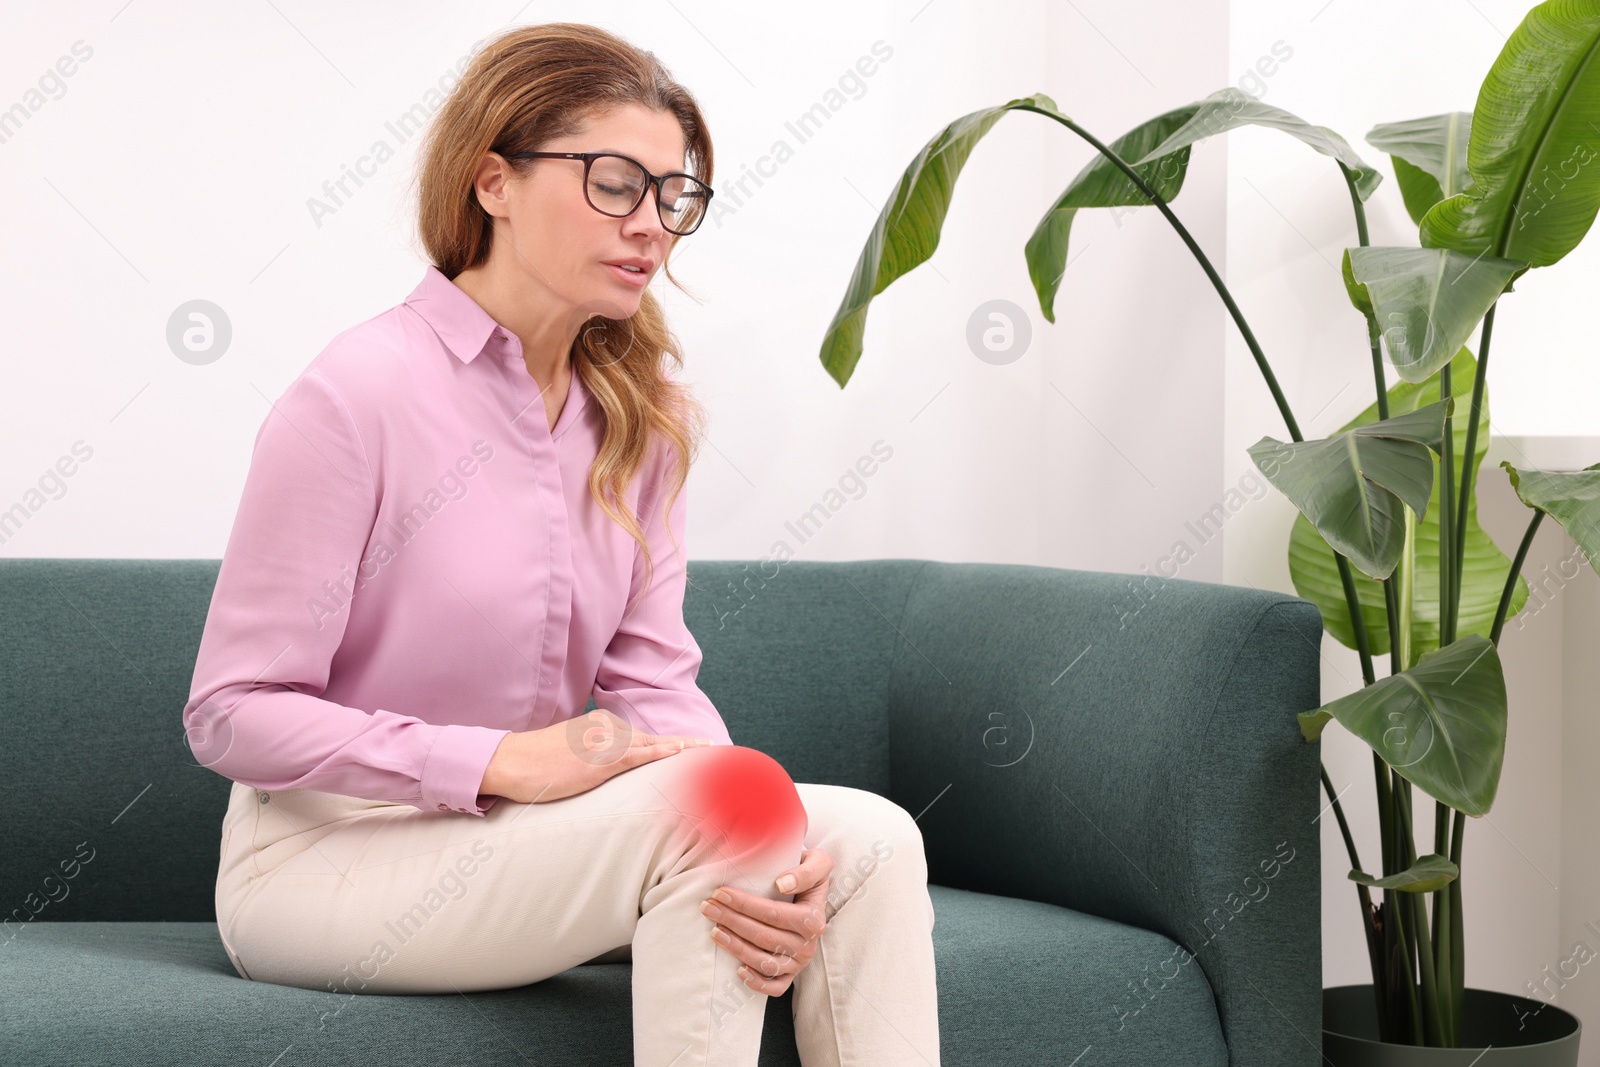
{"x":896,"y":836}
{"x":883,"y":846}
{"x":745,"y":796}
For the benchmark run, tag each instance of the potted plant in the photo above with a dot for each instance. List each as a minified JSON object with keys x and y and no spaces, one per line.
{"x":1386,"y":543}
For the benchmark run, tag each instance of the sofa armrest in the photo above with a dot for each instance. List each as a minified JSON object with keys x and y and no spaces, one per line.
{"x":1126,"y":746}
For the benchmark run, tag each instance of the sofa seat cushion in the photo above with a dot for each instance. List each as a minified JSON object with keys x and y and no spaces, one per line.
{"x":1022,"y":982}
{"x":1019,"y":983}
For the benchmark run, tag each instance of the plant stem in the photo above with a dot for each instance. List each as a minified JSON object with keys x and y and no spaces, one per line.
{"x":1369,"y":924}
{"x":1360,"y":210}
{"x":1402,"y":652}
{"x":1391,"y":611}
{"x":1402,"y":986}
{"x":1468,"y":467}
{"x":1416,"y":922}
{"x":1403,"y":649}
{"x":1458,"y":938}
{"x":1358,"y":625}
{"x":1344,"y":830}
{"x":1377,"y":367}
{"x":1386,"y":821}
{"x":1384,"y":981}
{"x":1444,"y":945}
{"x":1448,"y":596}
{"x":1513,"y":574}
{"x":1433,"y":1021}
{"x":1205,"y":264}
{"x":1441,"y":997}
{"x":1356,"y":206}
{"x":1441,"y":834}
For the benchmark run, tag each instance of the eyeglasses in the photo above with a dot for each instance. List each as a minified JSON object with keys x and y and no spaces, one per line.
{"x":615,"y":185}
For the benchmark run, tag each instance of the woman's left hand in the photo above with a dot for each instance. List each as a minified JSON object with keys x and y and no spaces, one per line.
{"x":774,"y":939}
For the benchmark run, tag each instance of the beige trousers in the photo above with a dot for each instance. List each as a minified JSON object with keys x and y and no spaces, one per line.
{"x":332,"y":892}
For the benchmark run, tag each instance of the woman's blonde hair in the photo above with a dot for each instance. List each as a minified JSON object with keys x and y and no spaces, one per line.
{"x":522,"y":89}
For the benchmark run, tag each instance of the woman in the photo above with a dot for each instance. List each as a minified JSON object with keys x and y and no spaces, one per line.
{"x":462,"y":521}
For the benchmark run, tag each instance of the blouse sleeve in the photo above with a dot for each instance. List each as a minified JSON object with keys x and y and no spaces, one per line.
{"x":648,"y":672}
{"x":255,"y":713}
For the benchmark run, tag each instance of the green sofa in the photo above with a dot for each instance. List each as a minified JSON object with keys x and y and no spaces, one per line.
{"x":1120,"y":815}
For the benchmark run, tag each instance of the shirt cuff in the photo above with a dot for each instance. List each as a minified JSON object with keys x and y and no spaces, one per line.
{"x":454,"y":769}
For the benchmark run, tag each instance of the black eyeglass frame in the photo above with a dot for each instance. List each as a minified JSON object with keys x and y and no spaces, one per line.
{"x":644,"y":190}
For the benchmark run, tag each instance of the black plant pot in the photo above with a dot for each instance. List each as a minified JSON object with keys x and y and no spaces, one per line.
{"x":1499,"y":1030}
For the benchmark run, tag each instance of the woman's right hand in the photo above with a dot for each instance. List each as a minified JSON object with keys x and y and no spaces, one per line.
{"x":574,"y":756}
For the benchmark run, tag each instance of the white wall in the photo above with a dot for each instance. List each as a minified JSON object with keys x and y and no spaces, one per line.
{"x":179,"y":160}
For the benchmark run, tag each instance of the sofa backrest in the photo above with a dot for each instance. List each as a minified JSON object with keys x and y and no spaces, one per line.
{"x":1163,"y":707}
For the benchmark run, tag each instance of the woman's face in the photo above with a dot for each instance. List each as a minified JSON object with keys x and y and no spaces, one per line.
{"x":566,"y":246}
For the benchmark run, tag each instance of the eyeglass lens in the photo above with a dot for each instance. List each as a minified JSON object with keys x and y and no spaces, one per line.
{"x":616,"y":184}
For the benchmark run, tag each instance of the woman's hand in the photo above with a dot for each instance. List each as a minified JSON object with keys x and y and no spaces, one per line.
{"x":774,"y":938}
{"x":574,"y":756}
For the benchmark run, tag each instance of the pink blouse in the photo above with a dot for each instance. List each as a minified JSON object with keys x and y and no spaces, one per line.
{"x":417,"y":568}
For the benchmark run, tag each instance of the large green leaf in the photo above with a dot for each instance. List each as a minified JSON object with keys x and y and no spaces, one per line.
{"x":1232,"y":107}
{"x":1431,"y":872}
{"x":908,"y":227}
{"x":1102,"y":184}
{"x":1441,"y":724}
{"x":1426,"y":301}
{"x":1572,"y":498}
{"x":1158,"y":150}
{"x":1483,"y":566}
{"x":1429,"y":156}
{"x":1536,"y":181}
{"x":1355,"y":485}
